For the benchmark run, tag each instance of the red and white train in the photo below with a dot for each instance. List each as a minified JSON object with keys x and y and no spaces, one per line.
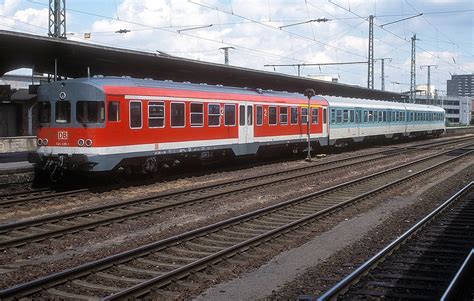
{"x":105,"y":124}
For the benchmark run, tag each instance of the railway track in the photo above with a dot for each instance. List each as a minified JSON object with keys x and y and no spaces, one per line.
{"x":34,"y":230}
{"x":422,"y":262}
{"x":25,"y":197}
{"x":136,"y":272}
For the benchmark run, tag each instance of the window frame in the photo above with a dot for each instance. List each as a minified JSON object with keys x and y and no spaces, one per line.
{"x":56,"y":112}
{"x":261,"y":115}
{"x":78,"y":104}
{"x":291,"y":115}
{"x":276,"y":116}
{"x":118,"y":110}
{"x":281,"y":114}
{"x":184,"y":115}
{"x":225,"y":116}
{"x":314,"y":115}
{"x":214,"y":114}
{"x":191,"y":114}
{"x":156,"y":103}
{"x":302,"y":115}
{"x":130,"y":114}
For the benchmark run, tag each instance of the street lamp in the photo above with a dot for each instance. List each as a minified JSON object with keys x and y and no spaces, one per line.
{"x":308,"y":93}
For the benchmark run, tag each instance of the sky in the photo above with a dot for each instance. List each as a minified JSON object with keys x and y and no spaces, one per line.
{"x":197,"y":29}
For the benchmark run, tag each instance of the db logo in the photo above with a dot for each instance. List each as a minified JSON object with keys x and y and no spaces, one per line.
{"x":62,"y":135}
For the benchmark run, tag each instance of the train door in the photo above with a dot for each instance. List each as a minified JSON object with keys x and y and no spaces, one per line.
{"x":245,"y":126}
{"x":358,"y":119}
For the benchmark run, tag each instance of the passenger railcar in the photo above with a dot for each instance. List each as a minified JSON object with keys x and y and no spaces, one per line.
{"x":101,"y":124}
{"x":106,"y":124}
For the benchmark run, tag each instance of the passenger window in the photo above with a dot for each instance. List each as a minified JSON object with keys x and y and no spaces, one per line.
{"x":177,"y":114}
{"x":196,"y":114}
{"x":135,"y":114}
{"x":63,"y":112}
{"x":242,"y":115}
{"x":229,"y":114}
{"x":338,"y":116}
{"x":304,"y":115}
{"x":249,"y":115}
{"x":351,"y":116}
{"x":213,"y":114}
{"x":272,"y":115}
{"x":113,"y":111}
{"x":283,"y":115}
{"x":333,"y":116}
{"x":371,"y":116}
{"x":366,"y":116}
{"x":345,"y":116}
{"x":293,"y":115}
{"x":259,"y":115}
{"x":44,"y":112}
{"x":324,"y":116}
{"x":156,"y":114}
{"x":314,"y":116}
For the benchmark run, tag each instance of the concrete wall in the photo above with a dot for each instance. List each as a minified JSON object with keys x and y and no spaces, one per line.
{"x":17,"y":144}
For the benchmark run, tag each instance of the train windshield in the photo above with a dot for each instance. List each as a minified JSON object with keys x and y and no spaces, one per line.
{"x":90,"y":111}
{"x":44,"y":112}
{"x":63,"y":111}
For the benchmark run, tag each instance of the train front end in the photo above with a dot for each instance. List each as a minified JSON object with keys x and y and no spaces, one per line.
{"x":71,"y":116}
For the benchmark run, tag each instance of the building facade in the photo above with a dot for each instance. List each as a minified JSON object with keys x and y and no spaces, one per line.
{"x":461,"y":85}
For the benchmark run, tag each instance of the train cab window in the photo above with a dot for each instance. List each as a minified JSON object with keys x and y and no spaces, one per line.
{"x":304,"y":115}
{"x":229,"y":114}
{"x":63,"y":112}
{"x":324,"y":116}
{"x":44,"y":112}
{"x":259,"y":115}
{"x":135,"y":114}
{"x":213,"y":114}
{"x":283,"y":115}
{"x":314,"y":116}
{"x":90,"y":111}
{"x":113,"y":111}
{"x":241,"y":115}
{"x":338,"y":116}
{"x":196,"y":114}
{"x":294,"y":115}
{"x":156,"y":114}
{"x":249,"y":115}
{"x":272,"y":115}
{"x":177,"y":114}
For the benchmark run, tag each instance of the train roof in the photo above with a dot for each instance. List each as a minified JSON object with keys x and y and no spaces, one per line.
{"x":378,"y":104}
{"x":102,"y":82}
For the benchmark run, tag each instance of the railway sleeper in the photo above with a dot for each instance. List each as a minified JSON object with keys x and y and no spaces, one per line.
{"x":59,"y":294}
{"x":118,"y":278}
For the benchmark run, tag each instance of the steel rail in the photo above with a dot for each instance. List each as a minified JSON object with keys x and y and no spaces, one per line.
{"x":101,"y":264}
{"x":456,"y":285}
{"x":342,"y":286}
{"x":9,"y":203}
{"x":125,"y":216}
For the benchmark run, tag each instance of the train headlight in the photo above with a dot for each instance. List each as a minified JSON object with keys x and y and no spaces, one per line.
{"x":80,"y":142}
{"x":40,"y":141}
{"x":45,"y":141}
{"x":88,"y":142}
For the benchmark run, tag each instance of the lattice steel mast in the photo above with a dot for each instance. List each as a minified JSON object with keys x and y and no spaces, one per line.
{"x":57,"y":18}
{"x":370,"y":72}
